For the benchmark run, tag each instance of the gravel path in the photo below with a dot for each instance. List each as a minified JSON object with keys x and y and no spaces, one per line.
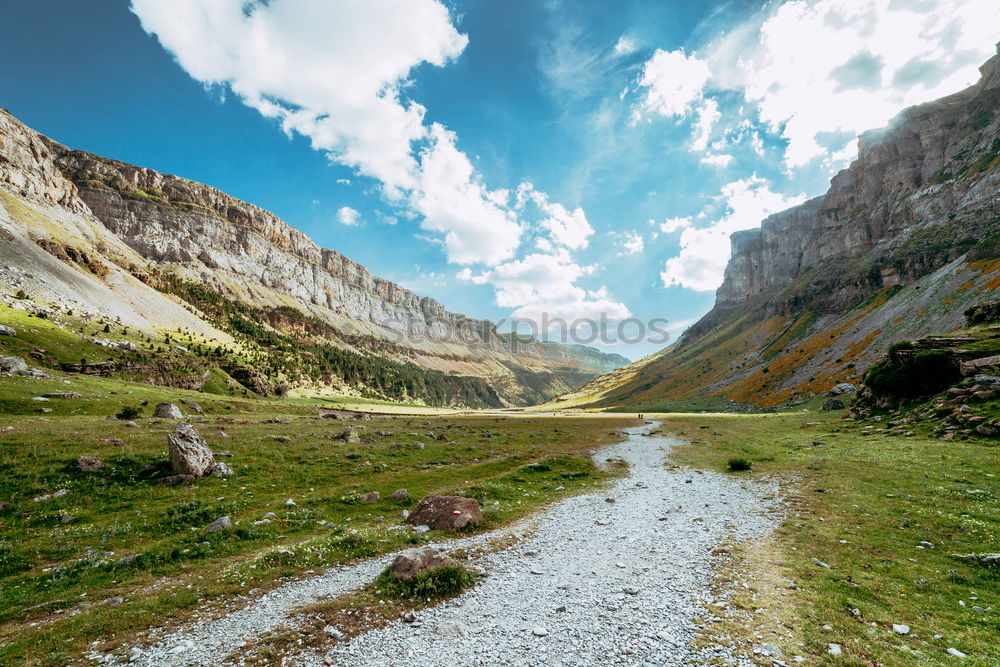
{"x":594,"y":582}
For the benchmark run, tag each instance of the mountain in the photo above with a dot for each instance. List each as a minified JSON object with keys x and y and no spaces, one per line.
{"x":88,"y":239}
{"x":904,"y":241}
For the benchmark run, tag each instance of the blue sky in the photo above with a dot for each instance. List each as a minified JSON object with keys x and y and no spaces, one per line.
{"x":568,"y":159}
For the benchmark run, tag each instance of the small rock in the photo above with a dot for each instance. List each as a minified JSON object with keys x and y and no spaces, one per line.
{"x":131,"y":425}
{"x":821,"y":563}
{"x":411,"y":563}
{"x":222,"y":523}
{"x":539,"y":631}
{"x":178,"y":480}
{"x":901,"y":629}
{"x":372,"y":497}
{"x":7,"y":331}
{"x":114,"y":602}
{"x":631,"y":590}
{"x":955,"y":653}
{"x":399,"y":494}
{"x":833,"y":649}
{"x":167,"y":411}
{"x":333,"y":632}
{"x":90,"y":464}
{"x":452,"y":628}
{"x":290,"y":502}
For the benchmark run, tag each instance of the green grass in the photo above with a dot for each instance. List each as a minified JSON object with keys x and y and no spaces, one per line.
{"x":445,"y":582}
{"x":862,"y":502}
{"x":58,"y":558}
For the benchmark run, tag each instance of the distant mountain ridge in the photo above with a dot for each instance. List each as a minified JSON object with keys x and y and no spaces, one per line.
{"x":903,"y":242}
{"x":158,"y":251}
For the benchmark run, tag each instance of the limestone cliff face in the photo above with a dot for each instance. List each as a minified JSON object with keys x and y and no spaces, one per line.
{"x":109,"y":222}
{"x":930,"y":168}
{"x":248,"y":253}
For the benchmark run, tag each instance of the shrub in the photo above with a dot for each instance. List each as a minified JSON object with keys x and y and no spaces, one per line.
{"x":924,"y":374}
{"x":443,"y":583}
{"x":128,"y":412}
{"x":738,"y":465}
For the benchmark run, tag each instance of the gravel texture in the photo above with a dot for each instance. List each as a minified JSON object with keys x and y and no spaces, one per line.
{"x":593,"y":582}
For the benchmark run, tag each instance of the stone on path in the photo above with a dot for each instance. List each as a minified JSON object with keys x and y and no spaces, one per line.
{"x":412,"y":563}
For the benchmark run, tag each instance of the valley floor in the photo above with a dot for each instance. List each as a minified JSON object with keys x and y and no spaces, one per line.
{"x":865,"y":553}
{"x":588,"y":582}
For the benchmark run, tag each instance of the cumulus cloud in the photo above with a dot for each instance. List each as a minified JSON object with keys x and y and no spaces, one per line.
{"x":625,"y":46}
{"x":565,"y":228}
{"x":818,"y":72}
{"x":632,"y":244}
{"x":476,"y":222}
{"x":348,"y":216}
{"x":542,"y":286}
{"x":705,"y":250}
{"x":671,"y":225}
{"x":673,"y":81}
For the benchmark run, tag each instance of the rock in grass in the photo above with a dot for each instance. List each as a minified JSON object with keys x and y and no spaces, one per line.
{"x":349,"y":434}
{"x":13,"y":365}
{"x":221,"y":470}
{"x":67,"y":395}
{"x":177,"y":480}
{"x":90,"y":464}
{"x":222,"y":523}
{"x":168,"y":411}
{"x":7,"y":331}
{"x":820,"y":563}
{"x":412,"y":563}
{"x":399,"y":494}
{"x":954,"y":652}
{"x":445,"y":512}
{"x":833,"y":649}
{"x":372,"y":497}
{"x":901,"y":629}
{"x":189,"y":455}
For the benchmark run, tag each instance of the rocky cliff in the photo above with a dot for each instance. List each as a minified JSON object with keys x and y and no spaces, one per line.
{"x":153,"y":250}
{"x":903,"y":241}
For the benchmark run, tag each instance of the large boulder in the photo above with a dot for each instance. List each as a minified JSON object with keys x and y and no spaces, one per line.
{"x":412,"y":563}
{"x":842,"y":389}
{"x":168,"y":411}
{"x":13,"y":365}
{"x":189,"y":455}
{"x":833,"y":404}
{"x":445,"y":512}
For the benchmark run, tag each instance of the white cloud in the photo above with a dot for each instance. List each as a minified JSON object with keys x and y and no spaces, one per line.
{"x":625,"y":46}
{"x":673,"y":81}
{"x":541,"y":286}
{"x":708,"y":116}
{"x":705,"y":250}
{"x":817,"y":71}
{"x":476,"y":222}
{"x":632,"y":244}
{"x":348,"y":216}
{"x":720,"y":160}
{"x":565,"y":228}
{"x":671,"y":225}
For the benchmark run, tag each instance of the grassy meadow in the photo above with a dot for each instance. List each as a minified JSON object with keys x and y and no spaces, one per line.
{"x":869,"y":505}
